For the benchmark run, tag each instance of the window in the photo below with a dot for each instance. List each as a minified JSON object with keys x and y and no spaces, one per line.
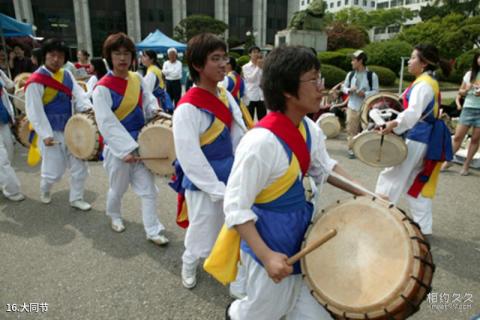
{"x":372,"y":4}
{"x":393,"y":29}
{"x":382,"y":5}
{"x":364,"y":3}
{"x":393,"y":3}
{"x":339,"y":3}
{"x":379,"y":30}
{"x":346,"y":2}
{"x":355,"y":2}
{"x":331,"y":5}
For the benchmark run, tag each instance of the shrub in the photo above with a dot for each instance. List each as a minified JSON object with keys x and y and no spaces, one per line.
{"x":243,"y":60}
{"x":337,"y":59}
{"x":343,"y":35}
{"x":332,"y":75}
{"x":233,"y":55}
{"x":386,"y":77}
{"x":388,"y":53}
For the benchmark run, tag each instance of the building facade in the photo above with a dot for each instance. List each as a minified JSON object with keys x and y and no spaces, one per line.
{"x":84,"y":24}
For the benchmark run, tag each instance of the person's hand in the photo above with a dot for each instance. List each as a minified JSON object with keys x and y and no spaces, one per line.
{"x":388,"y":128}
{"x":353,"y":89}
{"x":260,"y":62}
{"x":48,"y":141}
{"x":130,"y":158}
{"x":361,"y":94}
{"x":276,"y":266}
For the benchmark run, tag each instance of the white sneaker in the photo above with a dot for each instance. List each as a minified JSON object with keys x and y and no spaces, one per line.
{"x":189,"y":275}
{"x":159,"y":239}
{"x":16,"y":197}
{"x":235,"y":294}
{"x":45,"y":197}
{"x":117,"y":225}
{"x":81,"y":205}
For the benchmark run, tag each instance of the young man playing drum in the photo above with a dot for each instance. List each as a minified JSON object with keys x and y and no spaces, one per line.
{"x":207,"y":126}
{"x":49,"y":94}
{"x":264,"y":198}
{"x":121,"y":107}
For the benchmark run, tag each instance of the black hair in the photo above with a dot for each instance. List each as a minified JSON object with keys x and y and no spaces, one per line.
{"x":475,"y":66}
{"x":254,"y":47}
{"x":54,"y":44}
{"x":99,"y":66}
{"x":282,"y":70}
{"x":198,"y":49}
{"x":37,"y":53}
{"x":428,"y":54}
{"x":233,"y":63}
{"x":85,"y":53}
{"x":363,"y":57}
{"x":114,"y":42}
{"x":152,"y":55}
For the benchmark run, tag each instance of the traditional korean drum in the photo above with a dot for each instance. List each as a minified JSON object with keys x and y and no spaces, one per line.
{"x":369,"y":148}
{"x":83,"y":85}
{"x":329,"y":124}
{"x":389,"y":103}
{"x":156,"y":145}
{"x":378,"y":266}
{"x":19,"y":93}
{"x":82,"y":137}
{"x":21,"y":131}
{"x":21,"y":78}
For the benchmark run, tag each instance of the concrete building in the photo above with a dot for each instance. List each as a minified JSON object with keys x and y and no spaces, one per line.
{"x":84,"y":24}
{"x":337,"y":5}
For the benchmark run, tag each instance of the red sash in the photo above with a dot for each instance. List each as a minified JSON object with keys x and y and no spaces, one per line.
{"x":49,"y":82}
{"x":283,"y":127}
{"x":203,"y":99}
{"x":117,"y":84}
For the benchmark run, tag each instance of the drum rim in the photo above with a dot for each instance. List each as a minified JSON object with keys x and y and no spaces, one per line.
{"x":364,"y":113}
{"x":90,"y":118}
{"x":395,"y":302}
{"x":328,"y":116}
{"x":391,"y":137}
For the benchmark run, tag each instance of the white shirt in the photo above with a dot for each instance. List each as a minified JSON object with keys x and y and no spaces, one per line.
{"x":149,"y":79}
{"x":35,"y":109}
{"x":7,"y":84}
{"x":360,"y":80}
{"x":252,"y":76}
{"x":422,"y":94}
{"x":91,"y":85}
{"x":172,"y":71}
{"x":119,"y":141}
{"x":189,"y":122}
{"x":260,"y":160}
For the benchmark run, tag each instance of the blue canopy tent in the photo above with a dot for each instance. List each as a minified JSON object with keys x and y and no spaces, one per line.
{"x":159,"y":42}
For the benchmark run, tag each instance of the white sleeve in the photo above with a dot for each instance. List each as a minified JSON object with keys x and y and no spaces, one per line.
{"x":238,"y":129}
{"x":149,"y":81}
{"x":466,"y":77}
{"x":186,"y":134}
{"x":6,"y":82}
{"x":177,"y":70}
{"x":81,"y":99}
{"x":422,"y":94}
{"x":251,"y":73}
{"x":166,"y":69}
{"x":91,"y":84}
{"x":250,"y":175}
{"x":345,"y":88}
{"x":321,"y":165}
{"x":119,"y":141}
{"x":35,"y":111}
{"x":150,"y":103}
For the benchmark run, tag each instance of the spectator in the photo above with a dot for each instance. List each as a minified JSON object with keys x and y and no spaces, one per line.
{"x":83,"y":62}
{"x":18,"y":62}
{"x":98,"y":69}
{"x":252,"y":74}
{"x":172,"y":70}
{"x":3,"y":61}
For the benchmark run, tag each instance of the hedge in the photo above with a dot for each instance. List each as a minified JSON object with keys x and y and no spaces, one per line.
{"x":233,"y":54}
{"x":243,"y":60}
{"x":388,"y":53}
{"x":386,"y":77}
{"x":332,"y":75}
{"x":339,"y":59}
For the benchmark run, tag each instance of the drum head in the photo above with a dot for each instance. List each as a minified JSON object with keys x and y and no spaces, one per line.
{"x":379,"y":101}
{"x":366,"y":265}
{"x":367,"y":149}
{"x":156,"y":141}
{"x":22,"y":131}
{"x":329,"y":124}
{"x":81,"y":136}
{"x":19,"y":99}
{"x":83,"y":85}
{"x":20,"y":79}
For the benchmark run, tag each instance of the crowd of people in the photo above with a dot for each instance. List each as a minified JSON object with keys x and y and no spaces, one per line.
{"x":229,"y":170}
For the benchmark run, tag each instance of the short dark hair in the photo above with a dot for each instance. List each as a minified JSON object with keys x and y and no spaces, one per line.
{"x":360,"y":55}
{"x":254,"y":47}
{"x":233,"y":63}
{"x":84,"y":52}
{"x":114,"y":42}
{"x":198,"y":49}
{"x":54,"y":44}
{"x":282,"y":70}
{"x":99,"y":66}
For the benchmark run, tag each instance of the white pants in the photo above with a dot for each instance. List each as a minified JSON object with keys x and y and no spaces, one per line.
{"x":205,"y":221}
{"x":396,"y":181}
{"x":271,"y":301}
{"x":55,"y":160}
{"x":8,"y":179}
{"x":120,"y":176}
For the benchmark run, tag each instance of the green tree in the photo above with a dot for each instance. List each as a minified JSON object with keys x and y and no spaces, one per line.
{"x":442,"y":8}
{"x":452,"y":34}
{"x":388,"y":53}
{"x":377,"y":18}
{"x":195,"y":24}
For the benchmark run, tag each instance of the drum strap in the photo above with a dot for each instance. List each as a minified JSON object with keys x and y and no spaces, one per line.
{"x":158,"y":73}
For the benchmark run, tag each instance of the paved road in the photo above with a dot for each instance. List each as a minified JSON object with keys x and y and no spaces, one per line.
{"x":73,"y":261}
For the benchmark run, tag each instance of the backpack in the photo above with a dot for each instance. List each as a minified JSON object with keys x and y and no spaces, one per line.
{"x":369,"y":78}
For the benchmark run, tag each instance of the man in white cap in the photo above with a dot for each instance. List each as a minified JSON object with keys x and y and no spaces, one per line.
{"x":172,"y":69}
{"x":359,"y":84}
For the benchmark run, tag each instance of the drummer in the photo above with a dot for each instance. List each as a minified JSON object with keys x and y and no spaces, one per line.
{"x":264,"y":198}
{"x":121,"y":107}
{"x":154,"y":80}
{"x":359,"y":84}
{"x":49,"y":94}
{"x":8,"y":179}
{"x":428,"y":139}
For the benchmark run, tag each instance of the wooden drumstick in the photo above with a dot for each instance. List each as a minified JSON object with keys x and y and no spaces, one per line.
{"x":312,"y":246}
{"x":358,"y":187}
{"x":379,"y":157}
{"x":151,"y":158}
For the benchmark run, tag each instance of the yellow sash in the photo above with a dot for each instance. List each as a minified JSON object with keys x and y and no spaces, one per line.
{"x":156,"y":70}
{"x":49,"y":93}
{"x":217,"y":126}
{"x":222,"y":263}
{"x":130,"y":98}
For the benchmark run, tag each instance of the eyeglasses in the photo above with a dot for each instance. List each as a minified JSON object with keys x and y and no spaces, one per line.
{"x":319,"y":82}
{"x":218,"y":59}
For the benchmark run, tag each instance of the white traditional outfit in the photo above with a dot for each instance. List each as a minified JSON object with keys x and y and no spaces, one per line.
{"x":48,"y":101}
{"x":122,"y":107}
{"x":428,"y":142}
{"x":280,"y":212}
{"x":154,"y":83}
